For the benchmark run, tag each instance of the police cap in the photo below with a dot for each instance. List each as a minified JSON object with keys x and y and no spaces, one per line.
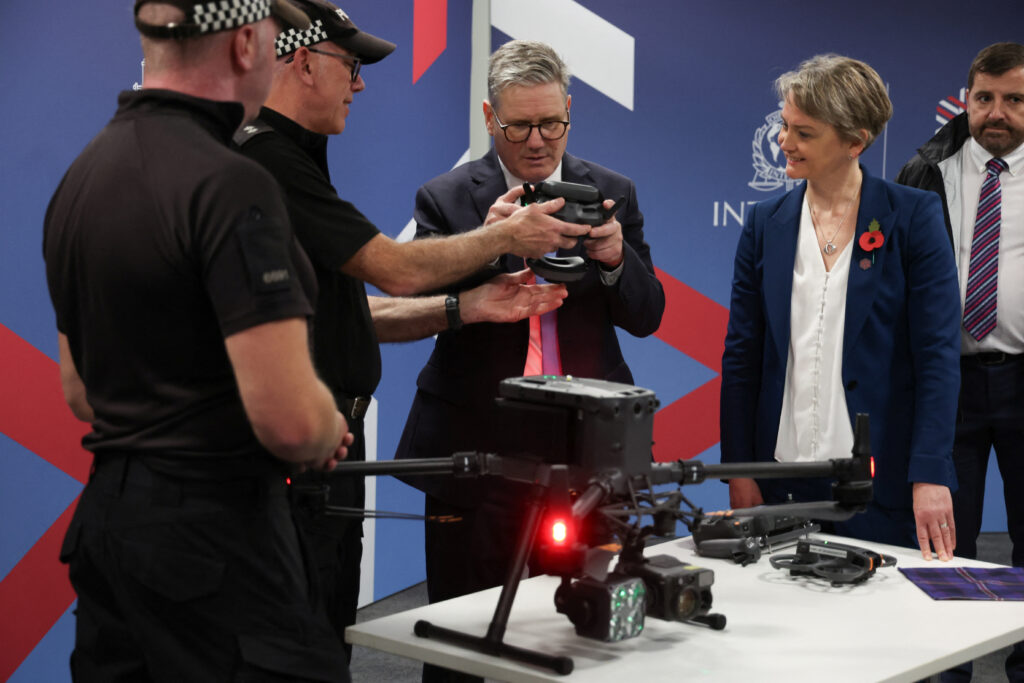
{"x":219,"y":15}
{"x":331,"y":23}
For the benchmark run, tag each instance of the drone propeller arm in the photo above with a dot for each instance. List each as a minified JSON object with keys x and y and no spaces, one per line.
{"x":460,"y":464}
{"x":855,"y":469}
{"x":695,"y":472}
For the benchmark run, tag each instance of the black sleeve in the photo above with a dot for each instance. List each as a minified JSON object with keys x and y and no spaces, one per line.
{"x":637,"y":301}
{"x":251,"y":269}
{"x":330,"y":229}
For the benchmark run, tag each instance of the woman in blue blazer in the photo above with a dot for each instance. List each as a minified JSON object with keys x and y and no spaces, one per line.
{"x":845,"y":301}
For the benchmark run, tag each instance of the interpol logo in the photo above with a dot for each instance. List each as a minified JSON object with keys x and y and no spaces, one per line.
{"x":950,"y":107}
{"x":769,"y":161}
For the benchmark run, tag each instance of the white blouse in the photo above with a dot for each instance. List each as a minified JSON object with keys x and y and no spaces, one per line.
{"x":815,"y":424}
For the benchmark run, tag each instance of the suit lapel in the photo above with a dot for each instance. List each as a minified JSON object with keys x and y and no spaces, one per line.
{"x":575,"y":171}
{"x":780,"y":244}
{"x":865,"y":275}
{"x":488,"y":184}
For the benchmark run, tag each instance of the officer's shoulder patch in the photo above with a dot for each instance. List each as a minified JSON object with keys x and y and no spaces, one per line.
{"x":265,"y":251}
{"x":251,"y":130}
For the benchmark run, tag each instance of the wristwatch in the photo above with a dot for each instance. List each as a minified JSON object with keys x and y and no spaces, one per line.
{"x":451,"y":309}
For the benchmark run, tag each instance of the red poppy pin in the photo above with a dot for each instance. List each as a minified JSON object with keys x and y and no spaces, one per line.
{"x":872,"y":239}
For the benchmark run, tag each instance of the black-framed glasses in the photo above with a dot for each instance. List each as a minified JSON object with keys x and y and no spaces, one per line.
{"x":354,"y":62}
{"x":519,"y":132}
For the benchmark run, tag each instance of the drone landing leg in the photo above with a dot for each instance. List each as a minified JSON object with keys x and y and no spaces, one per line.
{"x":492,"y":643}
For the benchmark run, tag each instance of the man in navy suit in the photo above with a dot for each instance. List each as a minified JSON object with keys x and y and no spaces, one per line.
{"x":527,"y":114}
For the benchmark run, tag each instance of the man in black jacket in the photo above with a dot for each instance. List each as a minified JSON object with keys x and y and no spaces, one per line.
{"x":976,"y":164}
{"x":181,"y":301}
{"x":318,"y":73}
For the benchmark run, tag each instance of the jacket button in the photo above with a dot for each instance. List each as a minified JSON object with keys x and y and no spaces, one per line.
{"x":851,"y":385}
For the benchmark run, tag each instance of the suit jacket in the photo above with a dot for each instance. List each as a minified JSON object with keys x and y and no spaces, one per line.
{"x":454,"y":406}
{"x":900,"y":358}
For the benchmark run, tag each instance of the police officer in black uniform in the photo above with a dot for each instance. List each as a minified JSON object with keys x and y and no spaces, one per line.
{"x":319,"y":73}
{"x":181,"y":300}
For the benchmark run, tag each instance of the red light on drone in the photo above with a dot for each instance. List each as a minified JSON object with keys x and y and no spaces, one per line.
{"x":559,"y":531}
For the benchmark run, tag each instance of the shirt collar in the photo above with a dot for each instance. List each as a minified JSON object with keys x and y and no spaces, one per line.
{"x":222,"y":119}
{"x":314,"y":144}
{"x":302,"y":136}
{"x":979,"y":157}
{"x":512,"y":181}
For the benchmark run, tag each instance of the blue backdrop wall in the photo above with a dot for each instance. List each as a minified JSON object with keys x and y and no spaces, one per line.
{"x":676,"y":95}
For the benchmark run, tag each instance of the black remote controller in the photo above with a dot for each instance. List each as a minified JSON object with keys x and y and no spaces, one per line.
{"x":583,"y":205}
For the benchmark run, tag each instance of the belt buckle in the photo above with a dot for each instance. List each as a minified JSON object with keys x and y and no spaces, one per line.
{"x":360,"y":404}
{"x":993,"y":358}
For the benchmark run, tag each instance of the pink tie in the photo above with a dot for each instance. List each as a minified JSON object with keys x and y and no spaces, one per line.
{"x":542,"y":355}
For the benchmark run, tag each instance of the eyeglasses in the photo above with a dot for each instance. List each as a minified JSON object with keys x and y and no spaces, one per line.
{"x":354,"y":62}
{"x":519,"y":132}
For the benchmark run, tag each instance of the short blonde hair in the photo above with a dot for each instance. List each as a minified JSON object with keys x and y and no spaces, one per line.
{"x":845,"y":93}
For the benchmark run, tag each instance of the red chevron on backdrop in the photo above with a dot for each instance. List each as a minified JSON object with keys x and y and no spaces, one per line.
{"x":36,"y":592}
{"x":695,"y":325}
{"x":429,"y":34}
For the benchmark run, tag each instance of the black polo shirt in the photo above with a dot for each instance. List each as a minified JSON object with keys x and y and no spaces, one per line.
{"x":331,"y":230}
{"x":160,"y":242}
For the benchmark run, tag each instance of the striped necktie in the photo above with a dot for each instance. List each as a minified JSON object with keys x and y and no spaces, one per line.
{"x":983,"y":274}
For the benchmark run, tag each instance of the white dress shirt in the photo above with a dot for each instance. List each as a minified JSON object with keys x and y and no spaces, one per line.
{"x":815,"y":423}
{"x":512,"y":181}
{"x":1008,"y":336}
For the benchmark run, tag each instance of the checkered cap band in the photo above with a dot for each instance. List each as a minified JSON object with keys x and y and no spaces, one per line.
{"x":292,"y":39}
{"x":228,"y":14}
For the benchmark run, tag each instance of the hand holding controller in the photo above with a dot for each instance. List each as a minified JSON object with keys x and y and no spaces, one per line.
{"x":584,"y":205}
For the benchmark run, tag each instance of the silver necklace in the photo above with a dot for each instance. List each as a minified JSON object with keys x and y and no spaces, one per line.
{"x":829,"y":247}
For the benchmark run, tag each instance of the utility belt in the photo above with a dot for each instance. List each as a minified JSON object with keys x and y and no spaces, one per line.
{"x":989,"y":358}
{"x":354,"y":408}
{"x":129,"y":475}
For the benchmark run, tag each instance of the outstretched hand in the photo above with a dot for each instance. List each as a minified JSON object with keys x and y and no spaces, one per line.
{"x":508,"y":298}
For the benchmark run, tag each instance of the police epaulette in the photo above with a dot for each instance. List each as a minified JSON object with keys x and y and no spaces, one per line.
{"x":251,"y":130}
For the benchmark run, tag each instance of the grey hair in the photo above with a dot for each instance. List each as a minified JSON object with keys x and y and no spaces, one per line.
{"x":525,"y":62}
{"x":845,"y":93}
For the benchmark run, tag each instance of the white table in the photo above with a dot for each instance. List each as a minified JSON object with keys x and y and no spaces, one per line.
{"x":780,"y":628}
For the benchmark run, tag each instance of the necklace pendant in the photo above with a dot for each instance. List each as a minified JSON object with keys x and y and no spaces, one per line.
{"x":829,"y":248}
